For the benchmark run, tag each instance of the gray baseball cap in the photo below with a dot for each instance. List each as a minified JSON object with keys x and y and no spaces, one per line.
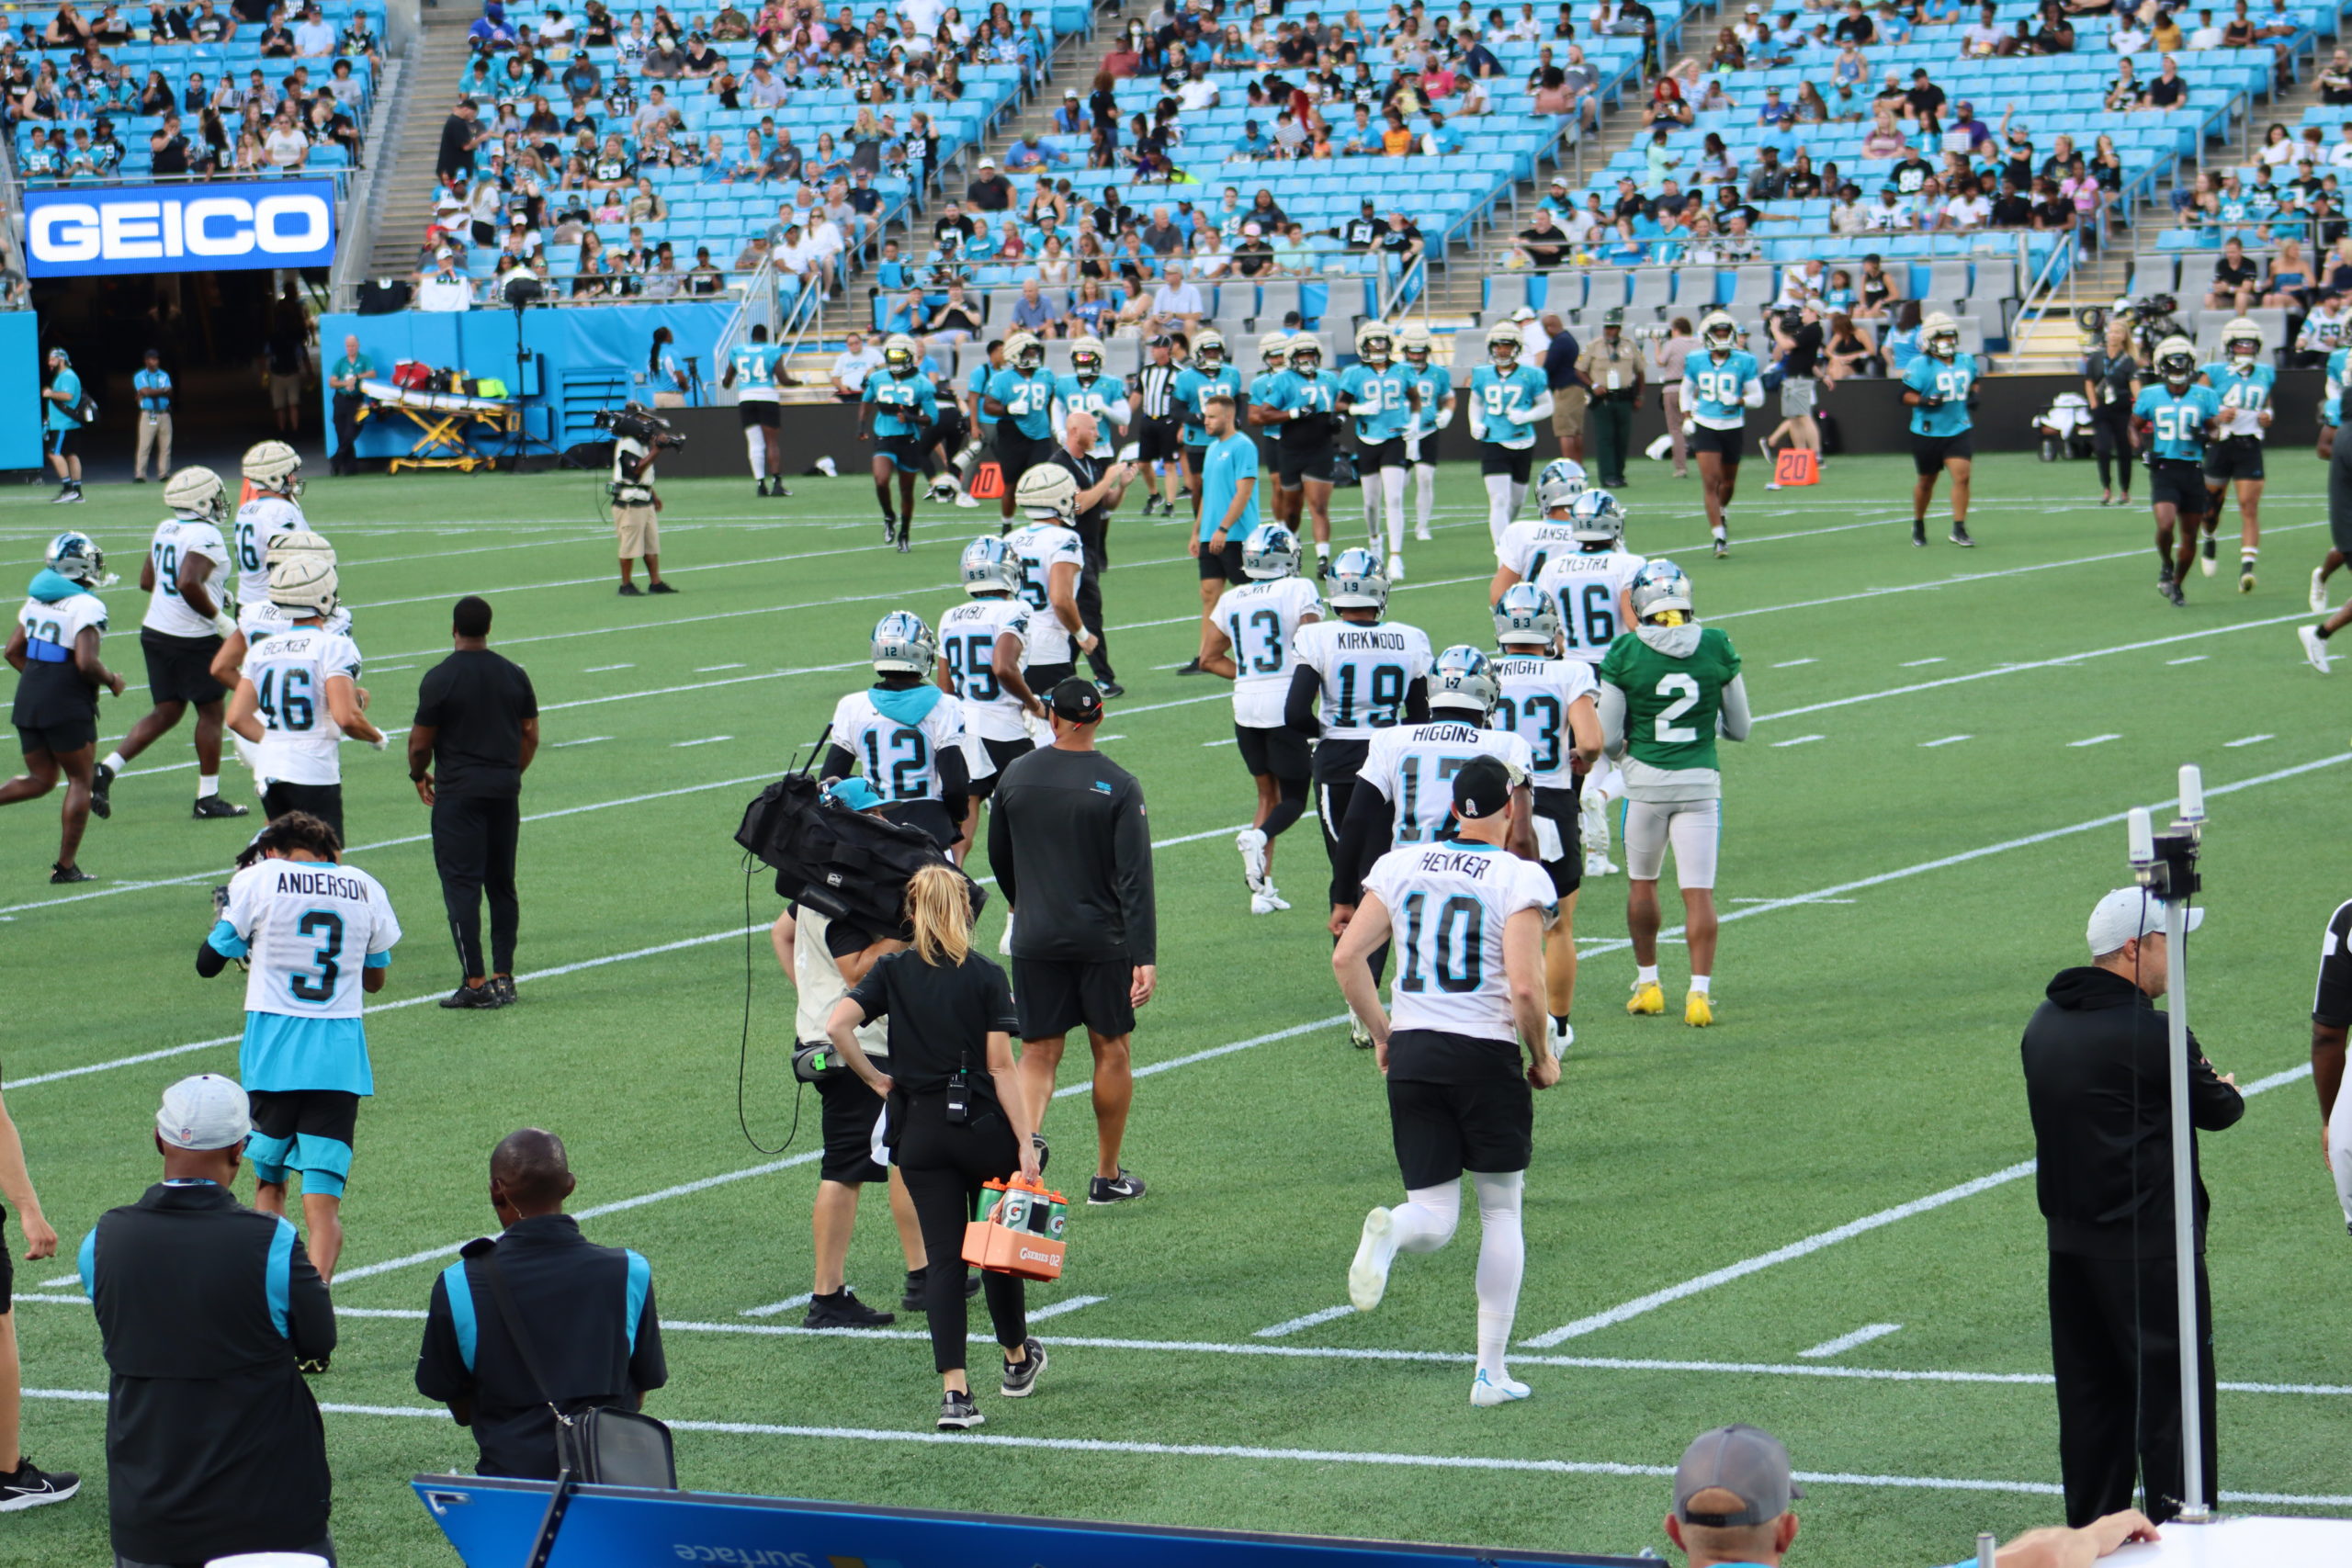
{"x":1732,"y":1476}
{"x":207,"y":1112}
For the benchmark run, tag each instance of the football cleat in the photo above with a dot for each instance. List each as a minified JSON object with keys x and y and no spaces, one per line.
{"x":1396,"y":569}
{"x":1265,"y":904}
{"x":1375,"y":1249}
{"x":2171,"y":591}
{"x":1697,"y":1011}
{"x":1559,"y":1035}
{"x":101,"y":780}
{"x":2208,"y":556}
{"x":1421,"y":532}
{"x":2245,"y":575}
{"x":1358,"y":1035}
{"x":1919,"y":536}
{"x":1648,"y":1000}
{"x":2315,"y":648}
{"x":1598,"y":863}
{"x":1252,"y":842}
{"x":2319,"y":593}
{"x":1487,"y":1393}
{"x":480,"y":995}
{"x":213,"y":806}
{"x":1960,"y":536}
{"x":65,"y":876}
{"x":963,"y":497}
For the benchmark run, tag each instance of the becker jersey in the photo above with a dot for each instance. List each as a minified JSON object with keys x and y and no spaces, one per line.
{"x":1448,"y":904}
{"x":300,"y":741}
{"x":1040,"y":548}
{"x":2176,"y":421}
{"x":1529,"y":543}
{"x":1590,"y":587}
{"x":259,"y":523}
{"x":1364,"y":671}
{"x":1947,"y":382}
{"x":1672,"y":702}
{"x":1387,"y":391}
{"x":176,"y":539}
{"x":309,"y":928}
{"x":896,"y":737}
{"x":1716,"y":391}
{"x":1532,"y":698}
{"x":2246,"y":391}
{"x":1412,"y":766}
{"x":968,"y":638}
{"x":1262,"y":620}
{"x":1506,"y":403}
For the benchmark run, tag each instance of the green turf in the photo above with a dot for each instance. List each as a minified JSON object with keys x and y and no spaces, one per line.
{"x":1865,"y":1054}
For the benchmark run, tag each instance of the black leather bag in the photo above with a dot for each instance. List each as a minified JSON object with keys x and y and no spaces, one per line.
{"x":597,"y":1445}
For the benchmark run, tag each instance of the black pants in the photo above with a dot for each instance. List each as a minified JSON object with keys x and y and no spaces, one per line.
{"x":2113,"y":1346}
{"x":944,"y":1166}
{"x":1609,"y":430}
{"x":322,"y":801}
{"x":1090,"y":593}
{"x":473,"y":849}
{"x":2110,"y":443}
{"x":346,"y":432}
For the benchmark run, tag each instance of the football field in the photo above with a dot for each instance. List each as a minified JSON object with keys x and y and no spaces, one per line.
{"x":1816,"y":1216}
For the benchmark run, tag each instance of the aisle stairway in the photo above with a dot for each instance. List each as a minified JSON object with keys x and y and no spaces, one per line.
{"x":404,"y":184}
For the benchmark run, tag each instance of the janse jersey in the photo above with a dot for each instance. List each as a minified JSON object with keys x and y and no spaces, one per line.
{"x":1262,"y":621}
{"x":1448,"y":904}
{"x":1412,"y":766}
{"x":1365,"y":671}
{"x":1529,"y":543}
{"x":967,"y":637}
{"x":1589,"y":586}
{"x":900,"y":759}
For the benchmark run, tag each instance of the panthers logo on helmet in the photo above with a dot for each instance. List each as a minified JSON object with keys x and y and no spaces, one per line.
{"x":1719,"y":333}
{"x":990,"y":567}
{"x":1270,"y":551}
{"x":1086,"y":356}
{"x":1464,"y":679}
{"x":1660,"y":592}
{"x":901,"y":355}
{"x":76,"y":557}
{"x":1597,"y":517}
{"x":303,"y":584}
{"x":1306,"y":352}
{"x":1374,"y":345}
{"x":1047,"y":492}
{"x":1505,"y":342}
{"x":1561,"y":482}
{"x":1525,"y":614}
{"x":2177,"y":359}
{"x":902,"y":645}
{"x":1357,"y":581}
{"x":274,"y":465}
{"x":196,"y":490}
{"x":1208,"y":349}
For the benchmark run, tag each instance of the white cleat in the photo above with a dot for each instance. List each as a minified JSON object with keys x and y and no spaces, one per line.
{"x":1598,"y":863}
{"x":1487,"y":1393}
{"x":1396,"y":569}
{"x":2319,"y":593}
{"x":1005,"y":942}
{"x":1252,"y":842}
{"x":1421,"y":532}
{"x":1368,"y":1275}
{"x":2315,"y":648}
{"x":1559,"y":1036}
{"x":1271,"y":897}
{"x":963,"y":497}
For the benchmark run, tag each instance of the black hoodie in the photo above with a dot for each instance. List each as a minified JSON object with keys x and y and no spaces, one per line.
{"x":2097,"y":1085}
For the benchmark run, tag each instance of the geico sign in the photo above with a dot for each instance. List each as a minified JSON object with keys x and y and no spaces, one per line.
{"x":149,"y":228}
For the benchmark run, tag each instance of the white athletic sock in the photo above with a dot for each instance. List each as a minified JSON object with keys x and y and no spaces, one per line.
{"x":1718,"y":530}
{"x":1371,"y":488}
{"x":207,"y":785}
{"x":1498,"y":507}
{"x":755,"y":444}
{"x":1425,"y":1220}
{"x":1502,"y":1259}
{"x":1646,"y":974}
{"x":1392,"y":485}
{"x":1425,"y":493}
{"x":1322,"y":549}
{"x":114,"y":761}
{"x":1699,"y":983}
{"x":1518,"y":498}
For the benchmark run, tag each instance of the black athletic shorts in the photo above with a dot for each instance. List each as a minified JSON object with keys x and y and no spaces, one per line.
{"x":760,"y":410}
{"x":2233,"y":458}
{"x":1041,"y":678}
{"x":1373,"y":456}
{"x":1930,"y":452}
{"x":1280,"y":752}
{"x":1726,"y":445}
{"x":905,"y":452}
{"x":1443,"y":1129}
{"x":322,"y":801}
{"x":2180,"y":481}
{"x":1296,"y":464}
{"x":931,"y":816}
{"x":308,"y":1130}
{"x":1017,"y":453}
{"x":1222,"y":565}
{"x":1054,"y":995}
{"x":179,"y":669}
{"x":1517,"y":462}
{"x":1559,"y":807}
{"x":57,"y":739}
{"x":850,"y":1111}
{"x":1158,"y":438}
{"x":1000,"y":754}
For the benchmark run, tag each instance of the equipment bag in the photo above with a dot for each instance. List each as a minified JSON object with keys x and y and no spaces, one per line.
{"x":413,"y":375}
{"x":596,"y":1445}
{"x":1019,"y":1233}
{"x":841,"y":863}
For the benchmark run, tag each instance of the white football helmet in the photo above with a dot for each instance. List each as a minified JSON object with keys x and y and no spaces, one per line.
{"x":1375,"y":344}
{"x":1305,"y":352}
{"x":274,"y":465}
{"x":1939,"y":336}
{"x":1505,"y":342}
{"x":1208,"y":349}
{"x":1719,"y":333}
{"x":990,"y":567}
{"x":304,"y":585}
{"x":1274,"y":348}
{"x":298,"y":542}
{"x":1049,"y":494}
{"x":197,"y":491}
{"x":1416,"y":343}
{"x":900,"y":356}
{"x":1024,"y":351}
{"x":2242,"y":342}
{"x":1086,"y":356}
{"x":2176,"y":360}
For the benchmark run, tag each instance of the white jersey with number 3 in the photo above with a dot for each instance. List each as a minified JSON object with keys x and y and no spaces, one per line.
{"x":311,"y":926}
{"x":1590,"y":589}
{"x":1413,"y":766}
{"x":1447,"y":906}
{"x":289,"y":670}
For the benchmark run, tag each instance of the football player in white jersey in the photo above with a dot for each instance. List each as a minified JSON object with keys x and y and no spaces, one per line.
{"x":1551,"y":702}
{"x":1402,"y":796}
{"x":984,"y":642}
{"x":1592,"y":585}
{"x":1527,"y":546}
{"x":274,"y":472}
{"x":1250,"y":643}
{"x":1052,"y":557}
{"x":259,"y":617}
{"x":316,"y":936}
{"x":299,"y":696}
{"x":906,"y":733}
{"x":185,"y":576}
{"x":53,"y":647}
{"x":1468,"y":918}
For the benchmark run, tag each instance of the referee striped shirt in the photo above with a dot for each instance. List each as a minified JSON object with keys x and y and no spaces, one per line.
{"x":1157,"y":385}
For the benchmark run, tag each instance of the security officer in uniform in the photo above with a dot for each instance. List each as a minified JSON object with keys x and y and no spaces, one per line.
{"x":1613,"y":369}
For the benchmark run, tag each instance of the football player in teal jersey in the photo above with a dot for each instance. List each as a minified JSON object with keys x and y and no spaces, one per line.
{"x":1432,"y":411}
{"x":1509,"y":403}
{"x":1379,"y":393}
{"x":896,"y":415}
{"x":2175,"y":418}
{"x":1935,"y":386}
{"x":754,"y":365}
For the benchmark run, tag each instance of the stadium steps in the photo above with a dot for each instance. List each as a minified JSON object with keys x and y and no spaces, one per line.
{"x":404,"y":184}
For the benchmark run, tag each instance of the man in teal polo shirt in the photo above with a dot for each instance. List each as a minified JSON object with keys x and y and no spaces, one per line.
{"x":1228,"y":504}
{"x":354,"y":367}
{"x":153,"y":384}
{"x":64,"y":401}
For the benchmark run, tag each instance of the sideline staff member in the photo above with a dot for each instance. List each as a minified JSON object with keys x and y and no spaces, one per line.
{"x":477,"y":724}
{"x":2098,"y":1084}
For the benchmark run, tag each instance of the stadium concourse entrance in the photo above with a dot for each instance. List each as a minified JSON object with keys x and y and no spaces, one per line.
{"x":215,"y":331}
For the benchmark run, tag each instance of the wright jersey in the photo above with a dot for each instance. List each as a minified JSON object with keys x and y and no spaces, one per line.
{"x":1387,"y":391}
{"x":968,"y":635}
{"x":900,"y":759}
{"x":2244,"y":394}
{"x":1589,"y":588}
{"x":51,"y":690}
{"x":1671,"y":703}
{"x":1041,"y":547}
{"x":259,"y":523}
{"x":1533,"y":696}
{"x":1447,"y":906}
{"x":1949,"y":379}
{"x":308,"y":928}
{"x":1716,"y":391}
{"x":1504,"y":404}
{"x":290,"y":670}
{"x":1262,"y":620}
{"x":1527,"y":544}
{"x":1412,"y":766}
{"x":1028,"y":400}
{"x":1104,"y":397}
{"x":1365,"y":671}
{"x":2177,"y":421}
{"x":175,"y":539}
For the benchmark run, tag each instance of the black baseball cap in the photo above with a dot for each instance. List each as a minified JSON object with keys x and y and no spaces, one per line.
{"x":1482,"y":788}
{"x":1077,"y":700}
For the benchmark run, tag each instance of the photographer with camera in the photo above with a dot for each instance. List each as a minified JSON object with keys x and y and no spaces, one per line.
{"x":639,"y":438}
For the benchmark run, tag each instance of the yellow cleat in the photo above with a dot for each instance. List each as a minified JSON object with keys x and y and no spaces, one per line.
{"x":1648,"y":1000}
{"x":1696,"y":1012}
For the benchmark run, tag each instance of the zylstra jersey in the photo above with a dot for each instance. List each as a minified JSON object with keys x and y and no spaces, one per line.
{"x":1104,"y":397}
{"x":1028,"y":400}
{"x":1590,"y":587}
{"x":1412,"y":766}
{"x":754,"y":365}
{"x":1262,"y":620}
{"x":968,"y":635}
{"x":1504,"y":404}
{"x":1527,"y":544}
{"x":1672,"y":701}
{"x":2177,"y":421}
{"x":1533,"y":696}
{"x":900,"y":408}
{"x":1041,"y":547}
{"x":259,"y":523}
{"x":1390,"y":389}
{"x":1448,"y":904}
{"x":2244,"y":394}
{"x":1716,"y":392}
{"x":52,"y":689}
{"x":1432,"y":384}
{"x":1193,"y":386}
{"x":1261,"y":389}
{"x":1947,"y":381}
{"x":897,"y":734}
{"x":175,"y":539}
{"x":307,"y":928}
{"x":1316,"y":400}
{"x":1365,"y":671}
{"x":289,"y":670}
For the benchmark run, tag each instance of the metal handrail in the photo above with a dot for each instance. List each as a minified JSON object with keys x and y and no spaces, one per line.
{"x":2039,"y":295}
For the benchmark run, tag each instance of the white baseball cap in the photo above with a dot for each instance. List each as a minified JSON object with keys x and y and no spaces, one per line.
{"x":2128,"y":913}
{"x":207,"y":1112}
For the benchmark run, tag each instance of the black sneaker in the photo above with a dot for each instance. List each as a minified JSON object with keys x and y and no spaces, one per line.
{"x":1919,"y":534}
{"x":958,"y":1413}
{"x":1191,"y":668}
{"x":32,"y":1487}
{"x":101,"y":780}
{"x":213,"y":806}
{"x":889,"y":528}
{"x":780,"y":492}
{"x":1117,"y":1188}
{"x":1021,"y":1377}
{"x":761,"y":489}
{"x":1110,"y":688}
{"x":631,"y":591}
{"x":501,"y":990}
{"x":2171,"y":591}
{"x":663,"y":587}
{"x":62,"y":875}
{"x":470,"y":997}
{"x":1960,"y":536}
{"x":905,"y":543}
{"x":1150,"y":502}
{"x":911,"y":1298}
{"x":843,"y":1310}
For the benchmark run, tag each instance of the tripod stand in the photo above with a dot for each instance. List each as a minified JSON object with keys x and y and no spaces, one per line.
{"x":521,"y":291}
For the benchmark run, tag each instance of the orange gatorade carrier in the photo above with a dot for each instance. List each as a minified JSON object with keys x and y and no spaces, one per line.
{"x":1020,"y":1232}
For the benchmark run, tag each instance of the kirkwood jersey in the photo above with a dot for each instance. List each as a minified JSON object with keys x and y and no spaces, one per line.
{"x":1448,"y":904}
{"x":1412,"y":766}
{"x":899,"y":754}
{"x":1263,"y":619}
{"x":289,"y":668}
{"x":1589,"y":588}
{"x":1365,"y":671}
{"x":1533,"y":696}
{"x":968,"y":635}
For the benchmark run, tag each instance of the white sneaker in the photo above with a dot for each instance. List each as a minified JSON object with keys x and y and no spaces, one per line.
{"x":1273,"y":897}
{"x":1252,"y":842}
{"x":2315,"y":648}
{"x":2319,"y":593}
{"x":1598,"y":863}
{"x":1396,"y":569}
{"x":1421,"y":532}
{"x":1368,"y":1275}
{"x":1005,"y":942}
{"x":1487,"y":1393}
{"x":1559,"y":1036}
{"x":963,"y":497}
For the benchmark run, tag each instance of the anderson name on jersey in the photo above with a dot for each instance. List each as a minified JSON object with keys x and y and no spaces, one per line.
{"x":1263,"y":619}
{"x":968,"y":635}
{"x":1447,"y":908}
{"x":308,"y":928}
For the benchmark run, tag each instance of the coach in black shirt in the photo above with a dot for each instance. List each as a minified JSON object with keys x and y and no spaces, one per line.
{"x":587,"y":1310}
{"x":1102,"y":484}
{"x":2098,"y":1084}
{"x":1068,"y":827}
{"x":477,"y":729}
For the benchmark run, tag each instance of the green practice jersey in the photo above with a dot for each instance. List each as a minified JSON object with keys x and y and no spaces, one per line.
{"x":1672,"y":704}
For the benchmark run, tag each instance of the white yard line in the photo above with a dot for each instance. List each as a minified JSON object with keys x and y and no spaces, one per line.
{"x":2192,"y":659}
{"x":1844,"y":1342}
{"x":1799,"y":740}
{"x":1947,"y":741}
{"x":1914,"y":663}
{"x":1328,"y":1314}
{"x":1793,"y":663}
{"x":2248,"y":740}
{"x":583,"y":741}
{"x":775,"y":1309}
{"x":706,"y":741}
{"x":2093,"y":741}
{"x":1056,"y":1309}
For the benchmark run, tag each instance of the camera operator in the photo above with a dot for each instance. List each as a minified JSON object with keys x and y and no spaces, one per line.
{"x":639,"y":439}
{"x":2099,"y":1086}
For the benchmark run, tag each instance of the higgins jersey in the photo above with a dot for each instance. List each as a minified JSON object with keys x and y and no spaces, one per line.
{"x":1527,"y":544}
{"x":968,"y":635}
{"x":259,"y":523}
{"x":308,"y":928}
{"x":1041,"y":547}
{"x":289,"y":668}
{"x":176,"y":539}
{"x":1948,"y":381}
{"x":1262,"y":620}
{"x":896,"y":737}
{"x":1387,"y":392}
{"x":1590,"y":587}
{"x":1447,"y":906}
{"x":901,"y":408}
{"x":1365,"y":671}
{"x":1412,"y":766}
{"x":2177,"y":420}
{"x":1717,"y":392}
{"x":1505,"y":403}
{"x":1533,"y":696}
{"x":1672,"y":702}
{"x":1193,"y":386}
{"x":1028,"y":400}
{"x":1104,"y":397}
{"x":2245,"y":393}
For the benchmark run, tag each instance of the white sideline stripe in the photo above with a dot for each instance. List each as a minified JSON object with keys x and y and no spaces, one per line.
{"x":2192,"y":659}
{"x":1229,"y":740}
{"x":776,"y":1308}
{"x":1914,"y":663}
{"x":1075,"y":1303}
{"x":1947,"y":741}
{"x":2094,"y":740}
{"x":1799,"y":740}
{"x":706,"y":741}
{"x":2247,"y":740}
{"x":1844,"y":1342}
{"x":1309,"y":1321}
{"x":714,"y":668}
{"x":1793,"y":663}
{"x":583,"y":741}
{"x":600,"y":669}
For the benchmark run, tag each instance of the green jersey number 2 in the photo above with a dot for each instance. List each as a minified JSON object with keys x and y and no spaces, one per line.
{"x":1685,"y":693}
